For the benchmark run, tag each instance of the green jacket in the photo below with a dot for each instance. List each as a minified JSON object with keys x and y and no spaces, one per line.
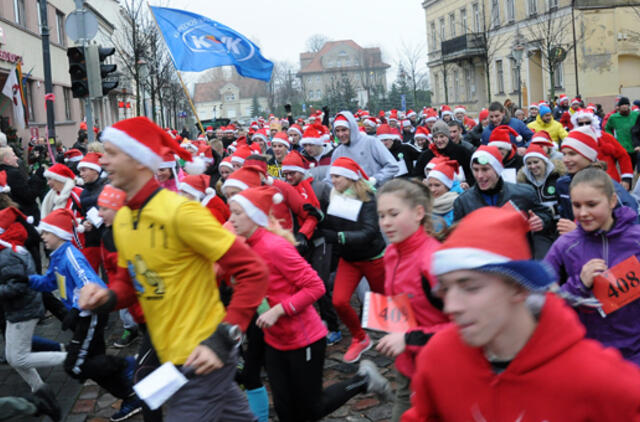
{"x":620,"y":127}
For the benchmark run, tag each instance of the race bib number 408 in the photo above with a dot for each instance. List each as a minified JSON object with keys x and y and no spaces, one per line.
{"x":619,"y":285}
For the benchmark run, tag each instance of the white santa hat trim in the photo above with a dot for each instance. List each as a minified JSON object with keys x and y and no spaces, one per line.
{"x":493,"y":162}
{"x":431,"y":119}
{"x":234,"y":183}
{"x":449,"y":112}
{"x":55,"y":176}
{"x":386,"y":136}
{"x":312,"y":141}
{"x":132,"y":147}
{"x":254,"y":213}
{"x":344,"y":172}
{"x":500,"y":144}
{"x":294,"y":168}
{"x":459,"y":110}
{"x":454,"y":259}
{"x":237,"y":159}
{"x":293,"y":129}
{"x":589,"y":153}
{"x":91,"y":166}
{"x":280,"y":141}
{"x":536,"y":155}
{"x":54,"y":230}
{"x":438,"y":175}
{"x":341,"y":123}
{"x":74,"y":158}
{"x":261,"y":136}
{"x":420,"y":135}
{"x":190,"y":190}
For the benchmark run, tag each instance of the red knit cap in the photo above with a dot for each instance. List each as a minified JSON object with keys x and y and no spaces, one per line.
{"x":226,"y":162}
{"x":484,"y":113}
{"x":295,"y":128}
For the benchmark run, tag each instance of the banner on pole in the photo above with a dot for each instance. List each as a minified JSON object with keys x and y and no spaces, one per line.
{"x":197,"y":43}
{"x":13,"y":89}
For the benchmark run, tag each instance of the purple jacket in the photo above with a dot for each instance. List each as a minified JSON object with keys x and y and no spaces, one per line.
{"x":571,"y":251}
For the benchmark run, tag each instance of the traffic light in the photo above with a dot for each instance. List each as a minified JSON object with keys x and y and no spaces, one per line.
{"x":78,"y":72}
{"x":109,"y":81}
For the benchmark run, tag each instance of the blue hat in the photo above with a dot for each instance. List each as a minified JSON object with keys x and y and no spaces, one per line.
{"x":544,"y":110}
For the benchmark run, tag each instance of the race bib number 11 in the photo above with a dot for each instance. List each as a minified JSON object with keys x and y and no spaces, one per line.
{"x":619,"y":285}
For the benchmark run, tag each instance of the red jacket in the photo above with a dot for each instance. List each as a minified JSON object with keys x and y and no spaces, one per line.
{"x":468,"y":123}
{"x":611,"y":152}
{"x":405,"y":264}
{"x":557,"y":376}
{"x":295,"y":285}
{"x":293,"y":203}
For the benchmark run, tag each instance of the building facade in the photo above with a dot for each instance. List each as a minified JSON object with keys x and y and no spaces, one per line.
{"x":473,"y":50}
{"x":339,"y":59}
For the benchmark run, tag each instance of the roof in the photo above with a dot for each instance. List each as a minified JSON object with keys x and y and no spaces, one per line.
{"x":210,"y":91}
{"x":315,"y":65}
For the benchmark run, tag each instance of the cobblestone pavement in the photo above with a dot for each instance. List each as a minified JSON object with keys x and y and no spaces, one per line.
{"x":90,"y":403}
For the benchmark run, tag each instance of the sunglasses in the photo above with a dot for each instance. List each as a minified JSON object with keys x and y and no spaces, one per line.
{"x":584,"y":123}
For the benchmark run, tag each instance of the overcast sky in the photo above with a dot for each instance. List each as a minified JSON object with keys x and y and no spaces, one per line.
{"x":282,"y":27}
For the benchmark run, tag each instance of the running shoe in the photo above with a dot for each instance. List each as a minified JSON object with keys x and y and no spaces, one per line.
{"x":356,"y":349}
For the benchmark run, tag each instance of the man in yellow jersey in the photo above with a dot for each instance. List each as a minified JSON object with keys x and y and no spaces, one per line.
{"x":166,"y":246}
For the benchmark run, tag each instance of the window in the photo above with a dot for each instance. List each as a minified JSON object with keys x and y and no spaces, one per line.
{"x":456,"y":85}
{"x":229,"y":96}
{"x":511,"y":11}
{"x":553,"y":4}
{"x":499,"y":77}
{"x":442,"y":37}
{"x":318,"y":94}
{"x":437,"y":87}
{"x":468,"y":83}
{"x":66,"y":92}
{"x":463,"y":21}
{"x":433,"y":34}
{"x":318,"y":79}
{"x":558,"y":76}
{"x":476,"y":17}
{"x":533,"y":7}
{"x":452,"y":24}
{"x":39,"y":18}
{"x":28,"y":96}
{"x":60,"y":28}
{"x":514,"y":76}
{"x":18,"y":8}
{"x":495,"y":13}
{"x":231,"y":114}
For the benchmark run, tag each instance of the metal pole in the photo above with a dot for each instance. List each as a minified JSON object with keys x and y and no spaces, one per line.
{"x":88,"y":112}
{"x":575,"y":47}
{"x":519,"y":87}
{"x":46,"y":61}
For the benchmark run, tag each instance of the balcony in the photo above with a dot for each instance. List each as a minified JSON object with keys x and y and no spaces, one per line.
{"x":463,"y":47}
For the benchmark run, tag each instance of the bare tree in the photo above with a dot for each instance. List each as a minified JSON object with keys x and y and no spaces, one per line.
{"x":316,"y":42}
{"x":412,"y":58}
{"x":284,"y":87}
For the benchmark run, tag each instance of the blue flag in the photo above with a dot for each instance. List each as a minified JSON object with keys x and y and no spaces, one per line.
{"x":198,"y":43}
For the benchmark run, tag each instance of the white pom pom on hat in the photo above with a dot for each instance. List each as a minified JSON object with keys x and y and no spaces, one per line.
{"x":278,"y":198}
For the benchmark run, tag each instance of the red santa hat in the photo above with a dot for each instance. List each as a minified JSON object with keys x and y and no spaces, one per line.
{"x":13,"y":233}
{"x":501,"y":137}
{"x":296,"y":129}
{"x":197,"y":185}
{"x":143,"y":140}
{"x":112,"y":198}
{"x":406,"y":123}
{"x":472,"y":246}
{"x":293,"y":162}
{"x":261,"y":134}
{"x":445,"y":172}
{"x":421,"y":132}
{"x":484,"y":114}
{"x":411,"y":113}
{"x":243,"y":178}
{"x":209,"y":129}
{"x":340,"y":121}
{"x":393,"y":115}
{"x":168,"y":160}
{"x":10,"y":215}
{"x":226,"y":162}
{"x":281,"y":138}
{"x":534,"y":105}
{"x":61,"y":223}
{"x":542,"y":138}
{"x":346,"y":167}
{"x":445,"y":109}
{"x":257,"y":203}
{"x":460,"y":109}
{"x":313,"y":135}
{"x":591,"y":106}
{"x":385,"y":132}
{"x":60,"y":172}
{"x":4,"y":186}
{"x":91,"y":161}
{"x":73,"y":155}
{"x":370,"y":121}
{"x":241,"y":154}
{"x":488,"y":154}
{"x":576,"y":101}
{"x":431,"y":115}
{"x":535,"y":150}
{"x":563,"y":99}
{"x":586,"y":113}
{"x":583,"y":141}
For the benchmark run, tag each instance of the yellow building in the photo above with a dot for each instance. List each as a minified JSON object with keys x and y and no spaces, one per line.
{"x":473,"y":50}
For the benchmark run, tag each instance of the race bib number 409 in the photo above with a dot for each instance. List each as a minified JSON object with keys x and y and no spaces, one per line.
{"x":619,"y":285}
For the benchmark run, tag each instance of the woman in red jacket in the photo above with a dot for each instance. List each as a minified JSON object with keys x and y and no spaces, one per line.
{"x":404,"y":210}
{"x":294,"y":334}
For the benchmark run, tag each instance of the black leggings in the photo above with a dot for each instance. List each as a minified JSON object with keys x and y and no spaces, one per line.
{"x":296,"y":383}
{"x":253,"y":357}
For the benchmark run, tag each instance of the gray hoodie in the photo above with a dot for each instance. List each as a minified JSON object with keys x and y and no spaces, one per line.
{"x":371,"y":154}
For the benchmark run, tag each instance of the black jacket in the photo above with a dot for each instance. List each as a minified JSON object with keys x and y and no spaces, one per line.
{"x":515,"y":162}
{"x":407,"y":152}
{"x":454,"y":152}
{"x":19,"y":302}
{"x":362,"y":239}
{"x":23,"y":191}
{"x":474,"y":136}
{"x":88,"y":200}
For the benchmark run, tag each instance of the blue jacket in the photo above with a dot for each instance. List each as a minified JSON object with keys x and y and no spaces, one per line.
{"x":517,"y":125}
{"x":68,"y":271}
{"x":565,"y":210}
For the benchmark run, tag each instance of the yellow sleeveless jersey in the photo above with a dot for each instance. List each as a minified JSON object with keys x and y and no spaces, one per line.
{"x":169,"y":247}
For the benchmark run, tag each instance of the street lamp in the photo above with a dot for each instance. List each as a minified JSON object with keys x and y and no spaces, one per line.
{"x":516,"y":54}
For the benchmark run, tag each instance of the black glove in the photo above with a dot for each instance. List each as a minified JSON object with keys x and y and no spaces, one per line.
{"x":303,"y":244}
{"x":325,"y":109}
{"x":45,"y":401}
{"x":330,"y":236}
{"x":71,"y":319}
{"x":314,"y":212}
{"x":287,"y":108}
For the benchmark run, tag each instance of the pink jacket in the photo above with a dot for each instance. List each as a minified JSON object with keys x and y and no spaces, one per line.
{"x":405,"y":264}
{"x":295,"y":285}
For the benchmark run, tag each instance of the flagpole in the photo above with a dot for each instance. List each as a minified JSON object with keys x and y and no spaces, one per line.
{"x":184,"y":88}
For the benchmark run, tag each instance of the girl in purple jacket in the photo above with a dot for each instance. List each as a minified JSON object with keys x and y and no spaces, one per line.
{"x":605,"y":236}
{"x":294,"y":334}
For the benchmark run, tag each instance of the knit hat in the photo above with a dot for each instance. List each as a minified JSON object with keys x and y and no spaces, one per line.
{"x":544,"y":110}
{"x":243,"y":178}
{"x":501,"y":137}
{"x":62,"y":223}
{"x":295,"y":128}
{"x":536,"y":151}
{"x":143,"y":140}
{"x":583,"y":141}
{"x":472,"y":246}
{"x":348,"y":168}
{"x":542,"y":138}
{"x":91,"y":161}
{"x":484,"y":113}
{"x":111,"y":197}
{"x":197,"y":185}
{"x":4,"y":187}
{"x":421,"y":132}
{"x":385,"y":132}
{"x":59,"y":172}
{"x":445,"y":109}
{"x":293,"y":162}
{"x":73,"y":155}
{"x":281,"y":138}
{"x":440,"y":128}
{"x":340,"y":121}
{"x":445,"y":172}
{"x":226,"y":162}
{"x":257,"y":203}
{"x":488,"y":154}
{"x":313,"y":135}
